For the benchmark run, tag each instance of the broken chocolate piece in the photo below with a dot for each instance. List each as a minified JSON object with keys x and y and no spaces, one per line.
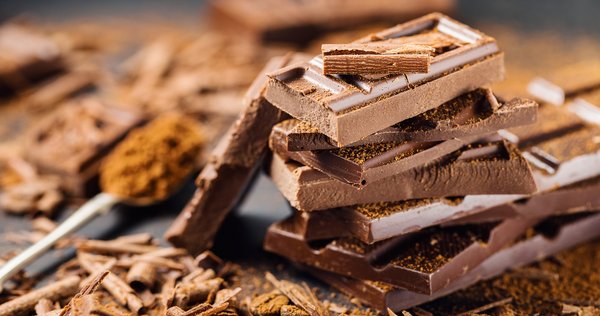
{"x":377,"y":57}
{"x":347,"y":109}
{"x":374,"y":222}
{"x":568,"y":231}
{"x":299,"y":22}
{"x":365,"y":164}
{"x":424,"y":262}
{"x":309,"y":190}
{"x":586,"y":106}
{"x":566,"y":82}
{"x":229,"y":171}
{"x":474,"y":113}
{"x":72,"y":142}
{"x":27,"y":57}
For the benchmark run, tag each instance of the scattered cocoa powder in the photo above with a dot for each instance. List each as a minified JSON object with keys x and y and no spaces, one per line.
{"x":153,"y":160}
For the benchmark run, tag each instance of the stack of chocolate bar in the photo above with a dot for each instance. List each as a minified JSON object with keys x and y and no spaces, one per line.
{"x":409,"y":179}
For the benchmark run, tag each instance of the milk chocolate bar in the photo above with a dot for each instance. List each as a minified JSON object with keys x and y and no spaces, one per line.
{"x":501,"y":171}
{"x":383,"y":57}
{"x":566,"y":82}
{"x":229,"y":171}
{"x":366,"y":164}
{"x":298,"y":22}
{"x":560,"y":148}
{"x":374,"y":222}
{"x":27,"y":57}
{"x":549,"y":237}
{"x":72,"y":141}
{"x":422,"y":262}
{"x":349,"y":108}
{"x":473,"y":113}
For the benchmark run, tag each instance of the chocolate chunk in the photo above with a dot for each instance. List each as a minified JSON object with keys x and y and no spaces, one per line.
{"x":308,"y":189}
{"x":349,"y":108}
{"x":230,"y":168}
{"x":586,"y":106}
{"x":374,"y":222}
{"x":424,"y":262}
{"x":27,"y":57}
{"x":474,"y":113}
{"x":566,"y":82}
{"x":377,"y":57}
{"x":369,"y":163}
{"x":299,"y":22}
{"x":72,"y":142}
{"x":568,"y":231}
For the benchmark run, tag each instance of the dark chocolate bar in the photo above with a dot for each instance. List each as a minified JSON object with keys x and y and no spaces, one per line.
{"x":27,"y":57}
{"x":72,"y":141}
{"x":550,"y":237}
{"x":366,"y":164}
{"x":474,"y":113}
{"x":374,"y":222}
{"x":566,"y":82}
{"x":382,"y":57}
{"x":502,"y":172}
{"x":423,"y":262}
{"x":299,"y":22}
{"x":560,"y":148}
{"x":349,"y":108}
{"x":229,"y":171}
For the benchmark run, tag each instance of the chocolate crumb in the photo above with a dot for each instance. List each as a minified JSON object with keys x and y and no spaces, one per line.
{"x":268,"y":304}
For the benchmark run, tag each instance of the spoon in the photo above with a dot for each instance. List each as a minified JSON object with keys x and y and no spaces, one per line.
{"x":103,"y":202}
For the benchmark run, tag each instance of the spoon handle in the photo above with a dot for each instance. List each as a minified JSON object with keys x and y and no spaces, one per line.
{"x":79,"y":218}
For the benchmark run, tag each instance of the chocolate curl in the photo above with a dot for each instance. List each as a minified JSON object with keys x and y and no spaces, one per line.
{"x":203,"y":309}
{"x":139,"y":239}
{"x":44,"y":306}
{"x":114,"y":247}
{"x":122,"y":293}
{"x":300,"y":295}
{"x":24,"y":304}
{"x":90,"y":286}
{"x":142,"y":275}
{"x":188,"y":293}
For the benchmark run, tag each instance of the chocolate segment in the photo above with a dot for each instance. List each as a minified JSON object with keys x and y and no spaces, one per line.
{"x":550,"y":237}
{"x":27,"y":57}
{"x":377,"y":57}
{"x":365,"y":164}
{"x":309,"y":190}
{"x":72,"y":141}
{"x":347,"y":109}
{"x":229,"y":170}
{"x":423,"y":262}
{"x":566,"y":82}
{"x":473,"y":113}
{"x":299,"y":22}
{"x":374,"y":222}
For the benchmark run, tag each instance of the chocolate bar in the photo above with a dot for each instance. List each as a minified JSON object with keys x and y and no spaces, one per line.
{"x":474,"y":113}
{"x":549,"y":237}
{"x":366,"y":164}
{"x":299,"y":22}
{"x":72,"y":141}
{"x":374,"y":222}
{"x":384,"y":57}
{"x":229,"y":171}
{"x":560,"y":148}
{"x":585,"y":106}
{"x":27,"y":57}
{"x":566,"y":82}
{"x":308,"y":189}
{"x":349,"y":108}
{"x":423,"y":262}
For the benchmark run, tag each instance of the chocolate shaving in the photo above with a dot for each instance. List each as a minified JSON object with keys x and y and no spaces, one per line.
{"x":300,"y":295}
{"x":486,"y":307}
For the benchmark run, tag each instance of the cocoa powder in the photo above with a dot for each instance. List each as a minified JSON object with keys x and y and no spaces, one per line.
{"x":153,"y":160}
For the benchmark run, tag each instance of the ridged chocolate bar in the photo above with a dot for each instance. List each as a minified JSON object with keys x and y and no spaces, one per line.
{"x":349,"y":108}
{"x":309,"y":190}
{"x":550,"y":237}
{"x":474,"y":113}
{"x":229,"y":171}
{"x":423,"y":262}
